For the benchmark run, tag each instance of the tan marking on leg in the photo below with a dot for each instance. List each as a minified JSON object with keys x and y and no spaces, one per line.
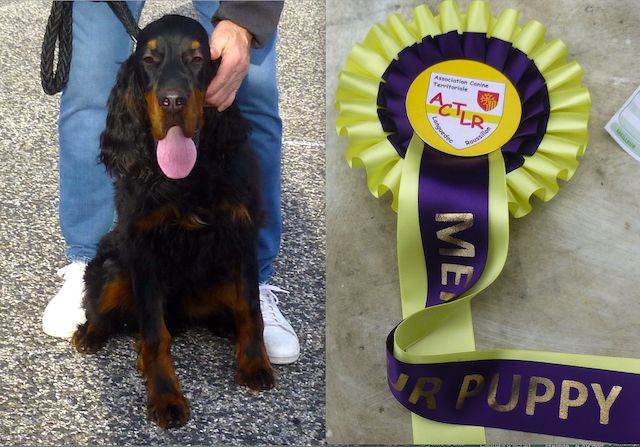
{"x":116,"y":294}
{"x":253,"y":366}
{"x":165,"y":401}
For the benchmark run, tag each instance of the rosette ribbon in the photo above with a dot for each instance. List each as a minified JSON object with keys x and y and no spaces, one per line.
{"x":453,"y":208}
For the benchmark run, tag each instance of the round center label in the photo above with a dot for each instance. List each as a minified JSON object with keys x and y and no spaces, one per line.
{"x":463,"y":108}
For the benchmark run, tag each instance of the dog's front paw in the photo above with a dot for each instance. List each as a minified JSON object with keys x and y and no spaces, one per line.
{"x":87,"y":339}
{"x":168,"y":410}
{"x":258,"y":378}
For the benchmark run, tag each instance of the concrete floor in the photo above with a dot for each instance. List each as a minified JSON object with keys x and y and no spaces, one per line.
{"x":51,"y":395}
{"x":570,"y":281}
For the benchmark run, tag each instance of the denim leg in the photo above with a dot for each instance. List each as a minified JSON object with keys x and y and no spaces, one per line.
{"x":100,"y":43}
{"x":258,"y":101}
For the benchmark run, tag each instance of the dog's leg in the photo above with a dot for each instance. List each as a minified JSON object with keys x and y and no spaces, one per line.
{"x":253,"y":367}
{"x":108,"y":304}
{"x":166,"y":404}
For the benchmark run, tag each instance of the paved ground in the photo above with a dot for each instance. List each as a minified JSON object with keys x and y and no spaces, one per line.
{"x":49,"y":394}
{"x":570,"y":283}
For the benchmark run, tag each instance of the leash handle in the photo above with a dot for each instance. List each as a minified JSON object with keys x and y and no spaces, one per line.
{"x":57,"y":33}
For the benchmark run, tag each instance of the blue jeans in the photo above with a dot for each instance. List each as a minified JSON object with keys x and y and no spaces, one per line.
{"x":100,"y":44}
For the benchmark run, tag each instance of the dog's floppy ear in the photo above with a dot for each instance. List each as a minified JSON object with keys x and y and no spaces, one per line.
{"x":123,"y":144}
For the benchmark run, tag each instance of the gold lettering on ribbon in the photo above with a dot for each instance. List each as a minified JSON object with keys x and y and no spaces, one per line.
{"x":565,"y":396}
{"x":429,"y":395}
{"x":447,"y":296}
{"x":605,"y":403}
{"x":513,"y":399}
{"x":459,"y":270}
{"x":465,"y":249}
{"x":534,"y":398}
{"x":465,"y":392}
{"x":400,"y":383}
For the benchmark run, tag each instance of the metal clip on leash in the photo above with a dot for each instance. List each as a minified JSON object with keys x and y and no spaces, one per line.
{"x":59,"y":33}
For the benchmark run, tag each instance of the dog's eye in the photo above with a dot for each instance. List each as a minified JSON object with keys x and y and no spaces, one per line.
{"x":148,"y":60}
{"x":197,"y":59}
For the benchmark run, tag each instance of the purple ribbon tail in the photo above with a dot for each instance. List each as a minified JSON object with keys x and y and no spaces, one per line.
{"x":602,"y":405}
{"x":451,"y":186}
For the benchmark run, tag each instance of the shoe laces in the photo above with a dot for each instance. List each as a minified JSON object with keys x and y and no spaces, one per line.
{"x":269,"y":303}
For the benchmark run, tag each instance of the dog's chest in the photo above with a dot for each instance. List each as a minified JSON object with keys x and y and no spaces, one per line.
{"x":184,"y":245}
{"x":169,"y":217}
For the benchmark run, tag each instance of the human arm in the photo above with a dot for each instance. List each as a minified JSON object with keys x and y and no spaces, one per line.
{"x":239,"y":26}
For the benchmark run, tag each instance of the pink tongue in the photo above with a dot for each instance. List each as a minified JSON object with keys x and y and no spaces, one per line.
{"x":176,"y":154}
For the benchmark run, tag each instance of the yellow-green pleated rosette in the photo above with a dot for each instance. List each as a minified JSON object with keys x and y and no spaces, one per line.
{"x":531,"y":171}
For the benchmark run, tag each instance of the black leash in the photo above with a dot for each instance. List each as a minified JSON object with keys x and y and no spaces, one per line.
{"x":58,"y":30}
{"x":123,"y":13}
{"x":59,"y":34}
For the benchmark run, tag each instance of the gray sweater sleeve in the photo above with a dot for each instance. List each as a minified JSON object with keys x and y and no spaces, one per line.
{"x":260,"y":18}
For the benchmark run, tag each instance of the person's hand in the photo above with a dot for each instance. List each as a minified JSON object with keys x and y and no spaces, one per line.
{"x":232,"y":43}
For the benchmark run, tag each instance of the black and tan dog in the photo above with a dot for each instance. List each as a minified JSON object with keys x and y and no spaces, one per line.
{"x":183,"y":250}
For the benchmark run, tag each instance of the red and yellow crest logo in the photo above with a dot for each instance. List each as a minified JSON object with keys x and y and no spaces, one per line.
{"x":488,"y":100}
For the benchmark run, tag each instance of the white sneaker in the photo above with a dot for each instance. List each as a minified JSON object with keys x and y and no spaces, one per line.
{"x":280,"y":339}
{"x":64,"y":312}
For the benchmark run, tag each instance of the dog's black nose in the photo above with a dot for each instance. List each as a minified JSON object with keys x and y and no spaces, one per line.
{"x":172,"y":101}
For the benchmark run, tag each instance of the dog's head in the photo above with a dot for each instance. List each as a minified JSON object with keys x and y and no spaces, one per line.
{"x":172,"y":56}
{"x":161,"y":87}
